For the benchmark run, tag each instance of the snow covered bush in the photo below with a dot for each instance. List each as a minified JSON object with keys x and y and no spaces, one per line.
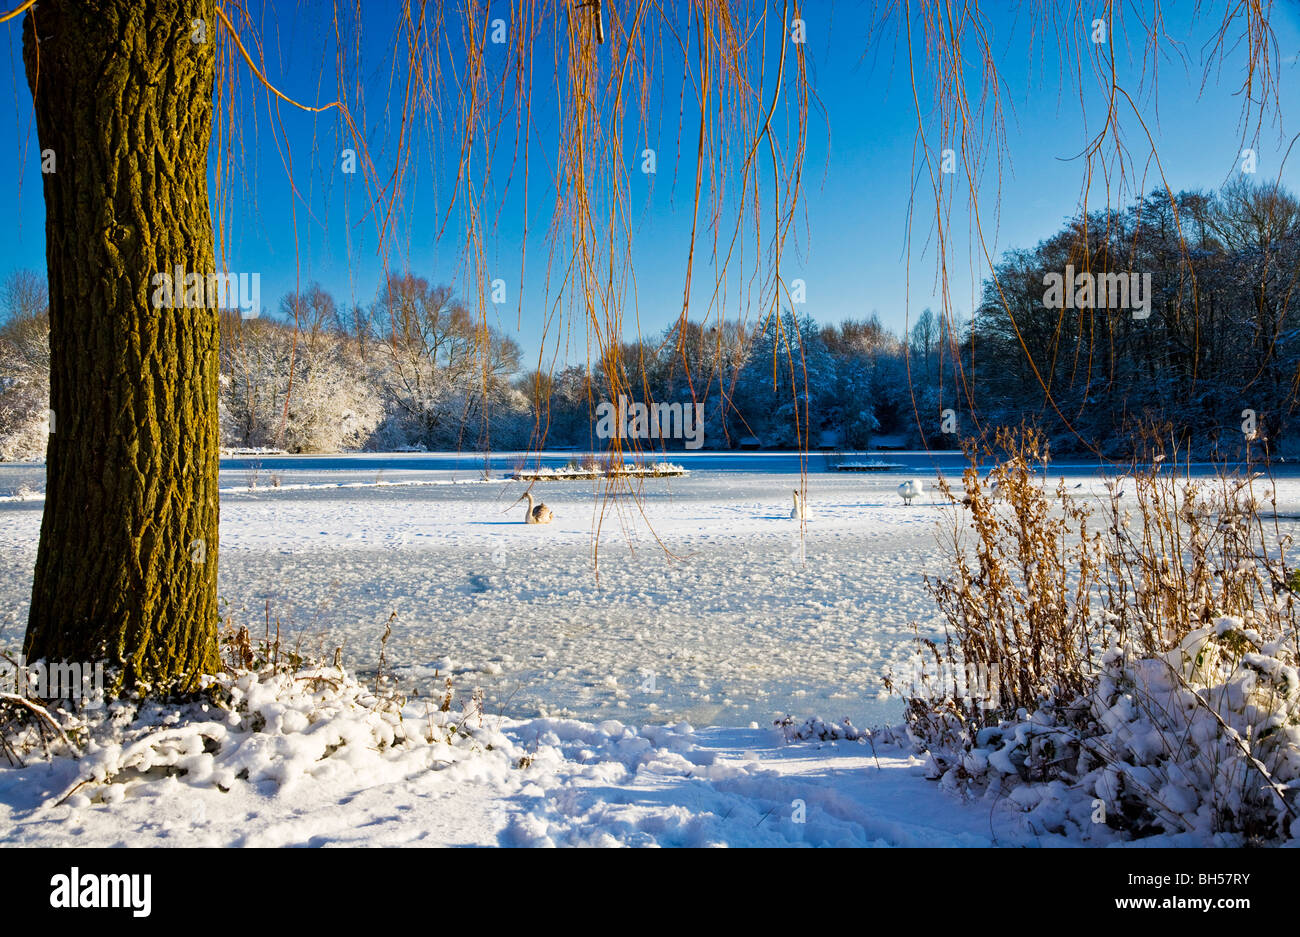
{"x":1143,"y":679}
{"x":280,"y":720}
{"x":24,"y":368}
{"x":1201,"y":745}
{"x":24,"y":419}
{"x":817,"y":728}
{"x":329,"y":410}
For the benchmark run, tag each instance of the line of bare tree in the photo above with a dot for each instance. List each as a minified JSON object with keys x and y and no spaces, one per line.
{"x":1217,"y":350}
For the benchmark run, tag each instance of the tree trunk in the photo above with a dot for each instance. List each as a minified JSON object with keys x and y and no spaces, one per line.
{"x":126,"y":571}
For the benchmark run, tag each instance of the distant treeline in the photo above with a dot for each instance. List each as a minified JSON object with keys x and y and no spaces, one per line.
{"x":1179,"y":316}
{"x":1180,"y":320}
{"x":1219,"y":348}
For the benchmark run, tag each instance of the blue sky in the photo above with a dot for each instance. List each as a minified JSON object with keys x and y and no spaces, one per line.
{"x":858,"y":175}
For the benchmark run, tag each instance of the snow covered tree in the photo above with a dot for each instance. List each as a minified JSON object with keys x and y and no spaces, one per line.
{"x":428,"y":359}
{"x":327,"y":405}
{"x":24,"y":366}
{"x":784,"y":390}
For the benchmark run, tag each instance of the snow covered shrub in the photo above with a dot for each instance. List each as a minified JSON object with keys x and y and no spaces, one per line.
{"x":273,"y":718}
{"x":1183,"y":716}
{"x":24,"y":369}
{"x":816,"y":728}
{"x":1201,"y":745}
{"x":24,"y":419}
{"x":1203,"y":739}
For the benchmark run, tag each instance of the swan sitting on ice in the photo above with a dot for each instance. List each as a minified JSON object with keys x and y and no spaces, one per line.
{"x":539,"y":514}
{"x":799,"y":512}
{"x":909,"y":490}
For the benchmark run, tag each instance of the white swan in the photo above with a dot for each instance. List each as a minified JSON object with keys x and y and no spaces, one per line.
{"x":799,"y":512}
{"x":909,"y":490}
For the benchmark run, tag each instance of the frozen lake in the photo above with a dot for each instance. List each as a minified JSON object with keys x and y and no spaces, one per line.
{"x":726,"y":618}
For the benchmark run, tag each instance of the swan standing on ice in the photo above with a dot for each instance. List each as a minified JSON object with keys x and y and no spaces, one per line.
{"x":798,"y":512}
{"x":909,"y":490}
{"x":540,"y":514}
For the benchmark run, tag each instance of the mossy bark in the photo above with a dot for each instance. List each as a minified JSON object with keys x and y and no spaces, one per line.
{"x":126,"y":569}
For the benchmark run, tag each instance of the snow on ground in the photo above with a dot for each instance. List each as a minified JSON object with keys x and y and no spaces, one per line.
{"x":583,"y":785}
{"x":741,"y":622}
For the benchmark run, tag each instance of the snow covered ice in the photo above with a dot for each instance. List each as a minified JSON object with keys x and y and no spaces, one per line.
{"x":635,"y":707}
{"x":743,"y":623}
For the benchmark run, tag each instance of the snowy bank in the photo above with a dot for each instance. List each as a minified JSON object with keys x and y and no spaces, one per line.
{"x":311,"y":757}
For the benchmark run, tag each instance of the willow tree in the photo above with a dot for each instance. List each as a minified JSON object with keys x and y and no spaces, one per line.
{"x":125,"y":570}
